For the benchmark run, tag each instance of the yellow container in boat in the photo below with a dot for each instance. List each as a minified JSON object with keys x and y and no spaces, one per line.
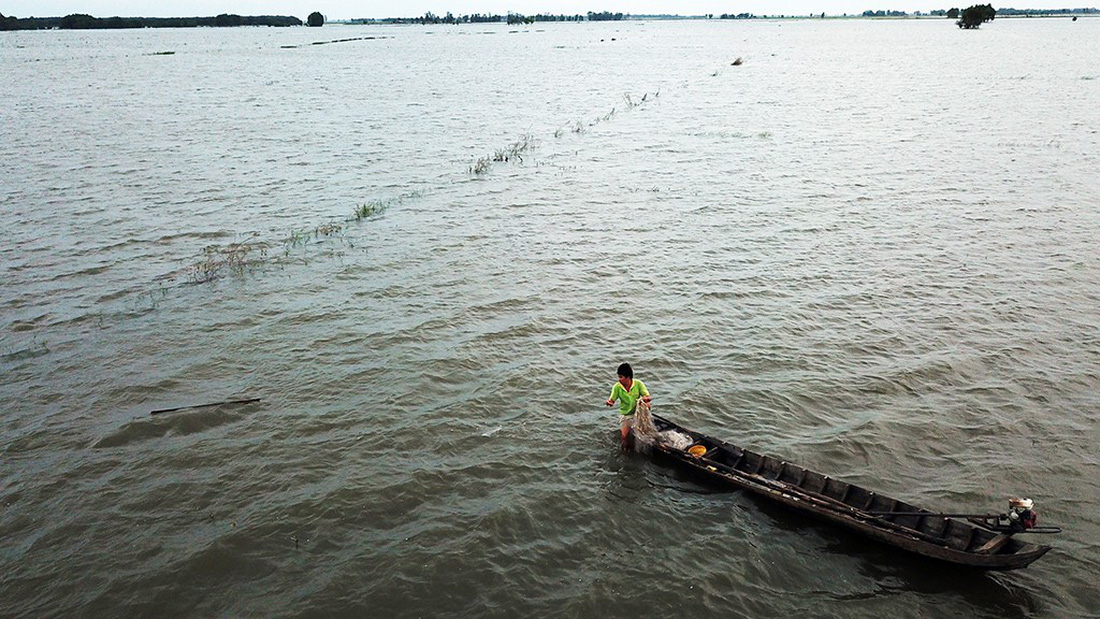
{"x":697,"y":450}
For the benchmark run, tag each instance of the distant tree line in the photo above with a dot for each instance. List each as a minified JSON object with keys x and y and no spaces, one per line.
{"x":80,"y":21}
{"x":604,"y":16}
{"x":432,"y":18}
{"x":518,"y":18}
{"x":479,"y":18}
{"x":1047,"y":11}
{"x":950,"y":14}
{"x":955,"y":13}
{"x":885,"y":14}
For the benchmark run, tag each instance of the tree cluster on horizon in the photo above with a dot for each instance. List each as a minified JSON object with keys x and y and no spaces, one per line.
{"x":82,"y":21}
{"x":974,"y":16}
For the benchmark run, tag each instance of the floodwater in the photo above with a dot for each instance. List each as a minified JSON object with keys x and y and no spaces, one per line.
{"x":870,"y":249}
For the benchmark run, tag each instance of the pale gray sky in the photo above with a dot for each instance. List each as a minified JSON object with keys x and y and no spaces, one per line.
{"x":344,"y":9}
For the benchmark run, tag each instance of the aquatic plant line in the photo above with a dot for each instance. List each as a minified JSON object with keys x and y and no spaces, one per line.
{"x":235,"y":258}
{"x":373,"y":208}
{"x":329,"y":42}
{"x":629,"y":101}
{"x":512,"y":153}
{"x":242,"y":257}
{"x":246,"y":255}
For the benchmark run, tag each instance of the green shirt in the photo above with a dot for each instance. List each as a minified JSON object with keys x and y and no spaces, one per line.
{"x":628,"y":399}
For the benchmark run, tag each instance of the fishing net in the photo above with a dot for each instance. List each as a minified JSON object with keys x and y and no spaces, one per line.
{"x":646,"y":433}
{"x":675,"y":440}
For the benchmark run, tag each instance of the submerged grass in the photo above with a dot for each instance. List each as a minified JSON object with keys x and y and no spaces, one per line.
{"x":372,"y":208}
{"x":515,"y":152}
{"x":630,"y":101}
{"x":369,"y":209}
{"x":481,"y":166}
{"x":511,"y":153}
{"x":241,"y":257}
{"x":298,"y":238}
{"x":244,"y":256}
{"x":233,"y":259}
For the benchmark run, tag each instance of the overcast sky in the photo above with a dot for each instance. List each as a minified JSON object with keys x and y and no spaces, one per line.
{"x":345,"y":9}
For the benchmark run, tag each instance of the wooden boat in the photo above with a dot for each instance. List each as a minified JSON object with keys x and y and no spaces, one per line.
{"x":985,"y":544}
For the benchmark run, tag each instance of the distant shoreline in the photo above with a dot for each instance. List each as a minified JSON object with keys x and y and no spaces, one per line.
{"x":517,"y":18}
{"x":88,"y":22}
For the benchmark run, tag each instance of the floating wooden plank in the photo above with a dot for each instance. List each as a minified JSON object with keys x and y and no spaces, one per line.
{"x":223,"y":402}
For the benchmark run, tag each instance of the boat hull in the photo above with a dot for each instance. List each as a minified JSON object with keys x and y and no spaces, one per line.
{"x":849,"y":506}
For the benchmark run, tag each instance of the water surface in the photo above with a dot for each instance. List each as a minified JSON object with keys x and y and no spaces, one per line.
{"x":869,"y":249}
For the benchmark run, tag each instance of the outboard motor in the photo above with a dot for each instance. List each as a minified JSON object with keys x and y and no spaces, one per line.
{"x":1021,"y":515}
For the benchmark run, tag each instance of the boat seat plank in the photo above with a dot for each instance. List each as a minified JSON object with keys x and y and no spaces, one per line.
{"x":857,"y":496}
{"x":958,"y":535}
{"x":969,"y":539}
{"x":843,"y":498}
{"x":814,"y":482}
{"x":994,"y":544}
{"x":759,"y":465}
{"x":835,"y":489}
{"x":801,"y":479}
{"x":772,"y":468}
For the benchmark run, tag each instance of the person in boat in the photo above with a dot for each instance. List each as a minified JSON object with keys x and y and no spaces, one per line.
{"x":627,"y":391}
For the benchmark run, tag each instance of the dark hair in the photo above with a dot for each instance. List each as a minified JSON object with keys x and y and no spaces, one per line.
{"x":626,"y":370}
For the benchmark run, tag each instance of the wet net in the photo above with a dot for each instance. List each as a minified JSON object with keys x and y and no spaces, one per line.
{"x":646,"y":433}
{"x":645,"y":430}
